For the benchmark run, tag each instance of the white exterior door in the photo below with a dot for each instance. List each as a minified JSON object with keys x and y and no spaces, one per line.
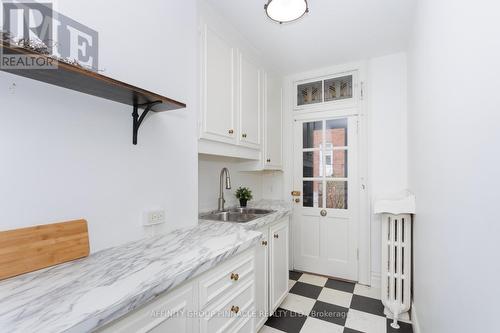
{"x":325,"y":212}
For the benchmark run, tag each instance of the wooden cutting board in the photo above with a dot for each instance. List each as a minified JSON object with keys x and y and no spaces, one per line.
{"x":29,"y":249}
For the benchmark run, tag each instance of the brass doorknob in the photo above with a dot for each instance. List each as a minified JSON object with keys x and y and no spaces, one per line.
{"x":297,"y":200}
{"x":323,"y":212}
{"x":235,"y":276}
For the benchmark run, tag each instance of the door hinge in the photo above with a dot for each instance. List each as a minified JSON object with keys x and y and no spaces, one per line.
{"x":362,"y":90}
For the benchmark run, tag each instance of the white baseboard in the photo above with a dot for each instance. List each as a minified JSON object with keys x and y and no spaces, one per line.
{"x":376,"y":281}
{"x":414,"y":319}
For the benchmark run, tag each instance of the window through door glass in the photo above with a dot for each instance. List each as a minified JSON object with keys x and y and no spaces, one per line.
{"x":325,"y":164}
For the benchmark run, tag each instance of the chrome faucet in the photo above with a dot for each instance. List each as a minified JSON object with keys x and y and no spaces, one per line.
{"x":221,"y":201}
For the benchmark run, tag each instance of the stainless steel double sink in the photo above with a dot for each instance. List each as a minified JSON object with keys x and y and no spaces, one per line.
{"x":238,"y":215}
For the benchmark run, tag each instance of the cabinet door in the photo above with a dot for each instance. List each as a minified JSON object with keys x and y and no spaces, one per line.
{"x":273,"y":123}
{"x":278,"y":278}
{"x":262,"y":279}
{"x":169,"y":313}
{"x":250,"y":103}
{"x":218,"y":89}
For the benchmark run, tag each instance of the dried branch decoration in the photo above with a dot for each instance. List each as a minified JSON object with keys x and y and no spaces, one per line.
{"x":40,"y":47}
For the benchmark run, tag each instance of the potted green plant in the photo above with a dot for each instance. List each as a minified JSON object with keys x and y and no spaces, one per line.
{"x":243,"y":194}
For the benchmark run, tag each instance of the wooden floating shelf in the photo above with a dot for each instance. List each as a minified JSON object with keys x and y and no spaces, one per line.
{"x":88,"y":82}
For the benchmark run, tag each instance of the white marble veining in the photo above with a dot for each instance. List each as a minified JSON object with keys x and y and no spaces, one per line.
{"x":81,"y":295}
{"x":280,"y":207}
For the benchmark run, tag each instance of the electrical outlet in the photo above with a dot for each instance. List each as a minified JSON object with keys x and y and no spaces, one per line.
{"x":153,"y":217}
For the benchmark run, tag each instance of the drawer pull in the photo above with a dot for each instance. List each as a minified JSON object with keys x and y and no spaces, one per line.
{"x":276,"y":236}
{"x":264,"y":243}
{"x":235,"y":276}
{"x":235,"y":309}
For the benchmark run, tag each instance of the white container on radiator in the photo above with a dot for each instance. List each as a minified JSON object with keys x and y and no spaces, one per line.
{"x":396,"y":253}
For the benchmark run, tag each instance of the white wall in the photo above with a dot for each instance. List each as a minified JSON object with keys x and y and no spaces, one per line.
{"x":209,"y":168}
{"x":387,"y":141}
{"x":454,"y":137}
{"x":264,"y":184}
{"x":66,"y":155}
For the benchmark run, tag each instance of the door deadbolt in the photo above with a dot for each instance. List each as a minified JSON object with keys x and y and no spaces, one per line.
{"x":323,"y":212}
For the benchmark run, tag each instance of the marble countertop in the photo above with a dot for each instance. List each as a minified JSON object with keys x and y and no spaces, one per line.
{"x":280,"y":207}
{"x":84,"y":294}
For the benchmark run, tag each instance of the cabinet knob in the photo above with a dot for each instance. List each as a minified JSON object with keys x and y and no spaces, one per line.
{"x":323,"y":212}
{"x":264,"y":243}
{"x":235,"y":309}
{"x":276,"y":236}
{"x":231,"y":131}
{"x":235,"y":276}
{"x":268,"y":160}
{"x":244,"y":135}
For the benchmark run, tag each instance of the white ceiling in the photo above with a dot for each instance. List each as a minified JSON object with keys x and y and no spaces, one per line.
{"x":334,"y":31}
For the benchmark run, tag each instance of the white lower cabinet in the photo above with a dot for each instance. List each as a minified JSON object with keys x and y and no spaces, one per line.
{"x":262,"y":279}
{"x":236,"y":296}
{"x":168,"y":313}
{"x":271,"y":270}
{"x":278,"y":262}
{"x":220,"y":300}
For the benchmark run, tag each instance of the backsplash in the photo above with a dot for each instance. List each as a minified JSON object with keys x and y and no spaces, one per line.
{"x":264,"y":185}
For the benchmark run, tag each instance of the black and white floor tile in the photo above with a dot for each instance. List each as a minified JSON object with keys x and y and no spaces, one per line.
{"x":317,"y":304}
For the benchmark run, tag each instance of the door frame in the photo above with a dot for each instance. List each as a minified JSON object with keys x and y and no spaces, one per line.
{"x":358,"y":108}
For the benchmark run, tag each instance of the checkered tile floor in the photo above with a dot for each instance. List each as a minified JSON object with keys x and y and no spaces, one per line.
{"x":317,"y":304}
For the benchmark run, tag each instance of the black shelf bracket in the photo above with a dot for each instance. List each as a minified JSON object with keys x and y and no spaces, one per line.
{"x":137,"y":120}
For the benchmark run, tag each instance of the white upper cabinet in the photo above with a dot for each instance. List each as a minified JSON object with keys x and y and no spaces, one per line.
{"x":218,"y":94}
{"x":249,"y":102}
{"x":272,"y":157}
{"x":240,"y":111}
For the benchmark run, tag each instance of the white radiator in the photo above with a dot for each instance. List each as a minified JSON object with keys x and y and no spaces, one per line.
{"x":396,"y":265}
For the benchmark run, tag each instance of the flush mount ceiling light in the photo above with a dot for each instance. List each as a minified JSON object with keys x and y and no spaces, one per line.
{"x":286,"y":10}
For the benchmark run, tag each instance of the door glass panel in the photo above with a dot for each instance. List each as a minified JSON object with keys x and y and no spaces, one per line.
{"x":309,"y":93}
{"x":312,"y":135}
{"x":336,"y":163}
{"x":336,"y":132}
{"x":312,"y":193}
{"x":338,"y":88}
{"x":336,"y":194}
{"x":311,"y":164}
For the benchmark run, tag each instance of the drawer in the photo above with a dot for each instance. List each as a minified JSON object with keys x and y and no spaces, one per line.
{"x":221,"y":317}
{"x":166,"y":313}
{"x":228,"y":276}
{"x":243,"y":325}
